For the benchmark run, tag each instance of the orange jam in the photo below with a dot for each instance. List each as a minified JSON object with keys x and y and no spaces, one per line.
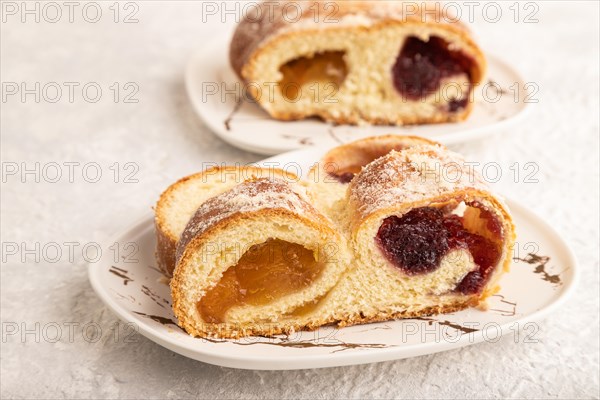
{"x":265,"y":273}
{"x":327,"y":69}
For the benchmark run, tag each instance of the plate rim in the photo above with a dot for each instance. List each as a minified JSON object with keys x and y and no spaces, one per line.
{"x":306,"y":361}
{"x":462,"y":136}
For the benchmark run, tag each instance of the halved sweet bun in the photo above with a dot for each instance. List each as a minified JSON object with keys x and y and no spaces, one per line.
{"x":180,"y":201}
{"x":427,"y":233}
{"x":251,"y":255}
{"x":358,"y":62}
{"x":416,"y":232}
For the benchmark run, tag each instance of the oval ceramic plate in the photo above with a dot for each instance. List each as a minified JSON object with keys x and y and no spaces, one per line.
{"x":211,"y":85}
{"x":543,"y":273}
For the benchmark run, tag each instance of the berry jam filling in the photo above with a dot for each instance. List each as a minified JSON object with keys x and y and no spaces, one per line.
{"x":416,"y":243}
{"x":455,"y":105}
{"x":421,"y":66}
{"x":343,"y":175}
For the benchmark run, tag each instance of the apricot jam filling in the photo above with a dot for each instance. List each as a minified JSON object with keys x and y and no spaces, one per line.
{"x":320,"y":75}
{"x":416,"y":242}
{"x":266,"y":272}
{"x":421,"y":66}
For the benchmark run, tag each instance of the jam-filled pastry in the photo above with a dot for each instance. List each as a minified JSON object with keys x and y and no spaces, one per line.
{"x":428,"y":237}
{"x":178,"y":203}
{"x":417,"y":232}
{"x":328,"y":179}
{"x":357,"y":62}
{"x":251,"y":255}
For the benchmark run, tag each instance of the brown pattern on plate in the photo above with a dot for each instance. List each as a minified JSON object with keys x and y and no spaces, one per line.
{"x":302,"y":344}
{"x":154,"y":297}
{"x":540,"y":268}
{"x":160,"y":320}
{"x":236,"y":108}
{"x":303,"y":141}
{"x":458,"y":327}
{"x":121,"y":273}
{"x":505,"y":313}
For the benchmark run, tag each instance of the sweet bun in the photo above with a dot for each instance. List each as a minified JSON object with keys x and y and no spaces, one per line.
{"x":251,"y":255}
{"x":358,"y":62}
{"x":416,"y":231}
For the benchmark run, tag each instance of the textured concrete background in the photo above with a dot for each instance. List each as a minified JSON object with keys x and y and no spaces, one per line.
{"x":162,"y":135}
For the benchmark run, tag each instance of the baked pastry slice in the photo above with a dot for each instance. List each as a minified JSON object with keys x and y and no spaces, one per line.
{"x":428,"y":235}
{"x":418,"y":232}
{"x":180,"y":201}
{"x":354,"y":62}
{"x":423,"y":241}
{"x":251,"y":255}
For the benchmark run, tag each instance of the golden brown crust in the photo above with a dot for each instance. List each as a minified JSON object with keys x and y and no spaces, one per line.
{"x":272,"y":329}
{"x":358,"y":118}
{"x":166,"y":239}
{"x":243,"y":200}
{"x":255,"y":36}
{"x":272,"y":21}
{"x":165,"y":250}
{"x":434,"y":310}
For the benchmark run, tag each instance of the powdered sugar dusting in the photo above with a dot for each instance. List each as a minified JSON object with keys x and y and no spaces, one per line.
{"x":411,"y":175}
{"x":247,"y":197}
{"x":275,"y":18}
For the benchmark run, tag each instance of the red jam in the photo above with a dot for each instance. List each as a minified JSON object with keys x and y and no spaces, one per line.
{"x":346,"y":174}
{"x":455,"y":105}
{"x":422,"y":65}
{"x":344,"y":177}
{"x":416,"y":243}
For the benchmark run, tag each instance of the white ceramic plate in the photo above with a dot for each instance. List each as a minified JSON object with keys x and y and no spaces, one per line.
{"x":135,"y":290}
{"x":246,"y":126}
